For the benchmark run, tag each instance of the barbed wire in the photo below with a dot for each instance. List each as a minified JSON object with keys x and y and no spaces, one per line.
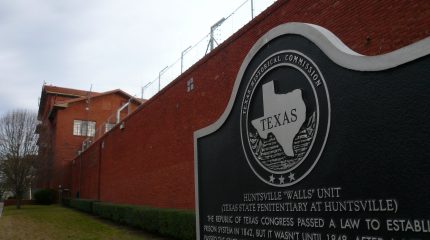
{"x":103,"y":127}
{"x":198,"y":43}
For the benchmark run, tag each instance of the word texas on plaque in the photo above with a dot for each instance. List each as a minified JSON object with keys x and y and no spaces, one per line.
{"x":318,"y":142}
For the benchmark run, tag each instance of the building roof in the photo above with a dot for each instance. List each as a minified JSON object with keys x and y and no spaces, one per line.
{"x":74,"y":95}
{"x":95,"y":95}
{"x":66,"y":91}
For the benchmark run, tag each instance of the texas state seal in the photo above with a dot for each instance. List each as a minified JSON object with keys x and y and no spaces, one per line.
{"x":285,"y":117}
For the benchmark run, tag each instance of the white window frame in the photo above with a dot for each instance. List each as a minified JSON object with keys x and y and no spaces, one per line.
{"x":84,"y":128}
{"x":190,"y":85}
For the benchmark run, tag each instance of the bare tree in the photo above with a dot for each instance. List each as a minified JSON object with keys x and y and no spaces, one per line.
{"x":18,"y":150}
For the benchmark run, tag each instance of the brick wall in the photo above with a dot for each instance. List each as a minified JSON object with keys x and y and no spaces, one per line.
{"x":151,"y":160}
{"x":87,"y":177}
{"x":66,"y":145}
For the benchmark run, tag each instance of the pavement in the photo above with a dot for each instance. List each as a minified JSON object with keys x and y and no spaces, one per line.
{"x":1,"y":208}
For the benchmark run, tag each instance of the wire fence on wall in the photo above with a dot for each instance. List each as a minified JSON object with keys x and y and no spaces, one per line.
{"x":93,"y":133}
{"x":220,"y":31}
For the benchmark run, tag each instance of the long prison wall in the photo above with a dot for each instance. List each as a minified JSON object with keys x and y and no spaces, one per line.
{"x":150,"y":161}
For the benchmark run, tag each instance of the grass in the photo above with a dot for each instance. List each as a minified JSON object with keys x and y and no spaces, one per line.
{"x":56,"y":222}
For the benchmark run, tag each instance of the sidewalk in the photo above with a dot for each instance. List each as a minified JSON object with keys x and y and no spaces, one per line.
{"x":1,"y":208}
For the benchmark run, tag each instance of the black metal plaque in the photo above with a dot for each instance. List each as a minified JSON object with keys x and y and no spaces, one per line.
{"x":319,"y":143}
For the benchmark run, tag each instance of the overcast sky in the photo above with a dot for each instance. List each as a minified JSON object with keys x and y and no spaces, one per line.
{"x":108,"y":44}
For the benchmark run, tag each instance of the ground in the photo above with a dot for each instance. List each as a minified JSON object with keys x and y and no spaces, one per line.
{"x":56,"y":222}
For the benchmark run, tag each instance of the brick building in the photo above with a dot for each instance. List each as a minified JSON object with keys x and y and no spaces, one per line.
{"x":70,"y":120}
{"x":149,"y":160}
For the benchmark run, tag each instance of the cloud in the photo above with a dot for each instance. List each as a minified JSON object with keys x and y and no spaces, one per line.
{"x":107,"y":43}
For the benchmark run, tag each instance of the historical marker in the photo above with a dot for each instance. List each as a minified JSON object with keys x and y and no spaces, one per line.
{"x":319,"y":143}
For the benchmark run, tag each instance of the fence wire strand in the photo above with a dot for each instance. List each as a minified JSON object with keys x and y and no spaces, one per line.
{"x":170,"y":73}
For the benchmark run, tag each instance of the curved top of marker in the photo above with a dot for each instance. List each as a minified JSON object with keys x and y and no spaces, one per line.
{"x":334,"y":48}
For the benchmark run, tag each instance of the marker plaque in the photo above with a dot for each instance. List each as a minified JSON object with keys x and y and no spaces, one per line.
{"x":318,"y":143}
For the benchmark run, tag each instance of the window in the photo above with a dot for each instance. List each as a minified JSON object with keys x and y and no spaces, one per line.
{"x":190,"y":85}
{"x":109,"y":126}
{"x":84,"y":128}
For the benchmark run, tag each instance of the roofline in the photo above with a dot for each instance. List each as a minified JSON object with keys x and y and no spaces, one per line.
{"x":77,"y":98}
{"x":67,"y":102}
{"x":46,"y":92}
{"x":62,"y":94}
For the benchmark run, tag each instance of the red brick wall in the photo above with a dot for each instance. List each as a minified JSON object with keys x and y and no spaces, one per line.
{"x":150,"y":161}
{"x":66,"y":145}
{"x":87,"y":176}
